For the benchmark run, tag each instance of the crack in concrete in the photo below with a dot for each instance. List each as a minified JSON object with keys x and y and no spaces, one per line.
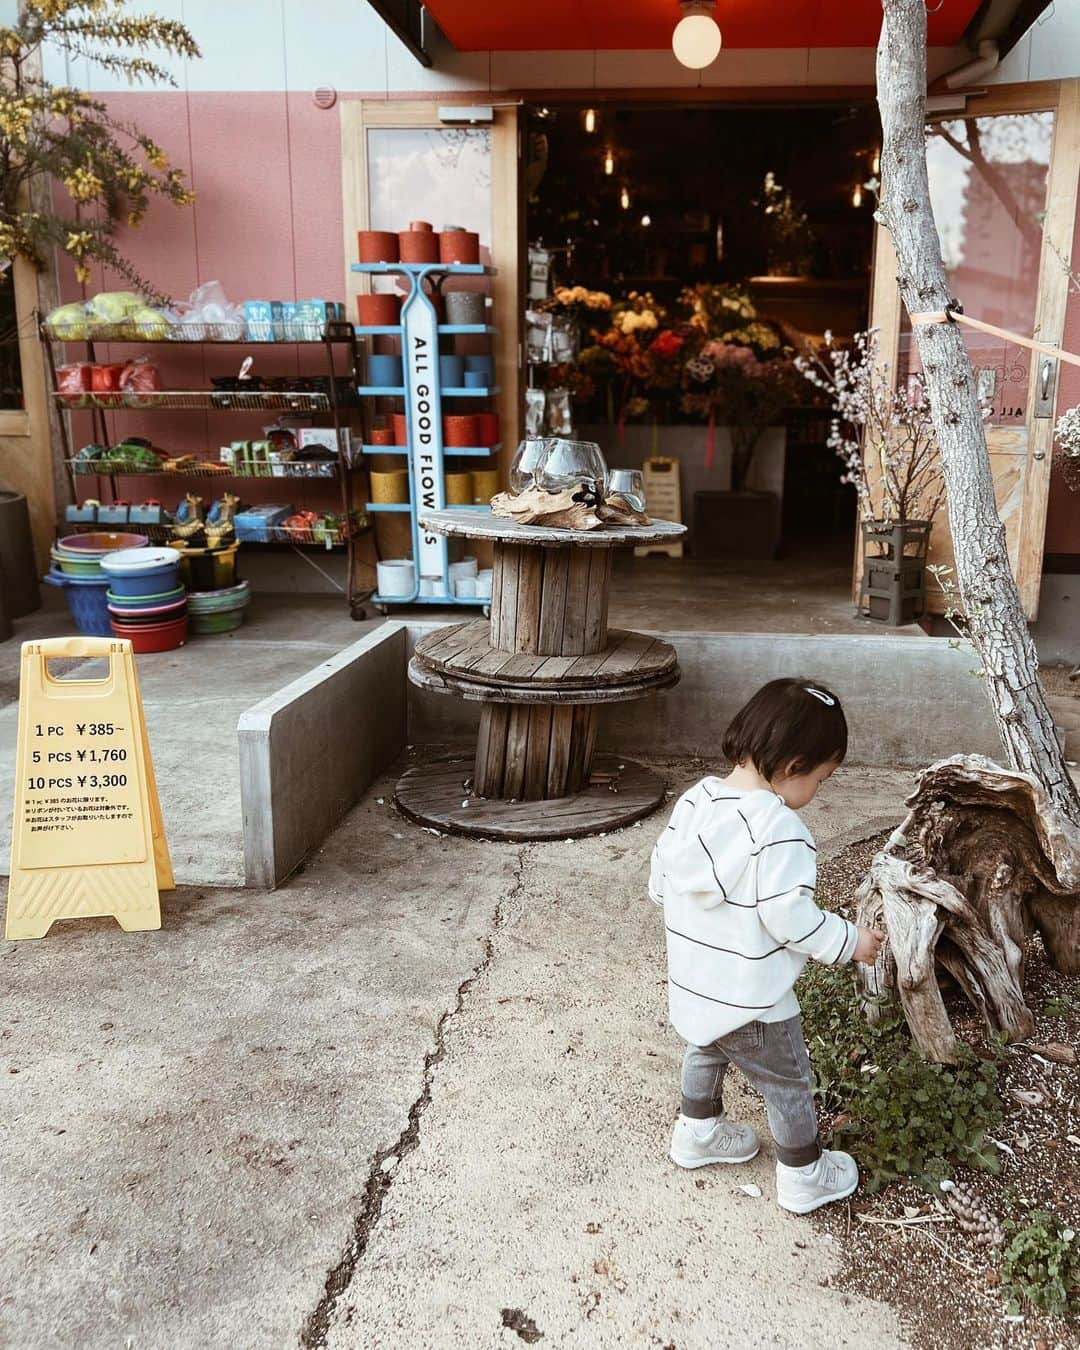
{"x":380,"y":1175}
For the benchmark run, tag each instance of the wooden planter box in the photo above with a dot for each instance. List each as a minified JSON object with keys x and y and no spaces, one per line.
{"x":893,"y":589}
{"x":736,"y":524}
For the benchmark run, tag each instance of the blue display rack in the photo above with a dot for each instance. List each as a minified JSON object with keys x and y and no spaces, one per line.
{"x":424,"y":453}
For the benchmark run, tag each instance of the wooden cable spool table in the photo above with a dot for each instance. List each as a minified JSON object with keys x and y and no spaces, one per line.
{"x":541,"y":670}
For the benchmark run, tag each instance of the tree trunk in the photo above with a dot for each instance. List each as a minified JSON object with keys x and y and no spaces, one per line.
{"x":996,"y":622}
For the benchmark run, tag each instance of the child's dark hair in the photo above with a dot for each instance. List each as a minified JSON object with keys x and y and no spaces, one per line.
{"x":789,"y":725}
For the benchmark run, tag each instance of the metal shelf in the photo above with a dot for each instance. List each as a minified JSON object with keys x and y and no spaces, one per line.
{"x":173,"y":400}
{"x":381,"y":390}
{"x":468,"y":451}
{"x":488,"y":391}
{"x":234,"y":334}
{"x":445,"y":329}
{"x":479,"y":600}
{"x":307,"y":469}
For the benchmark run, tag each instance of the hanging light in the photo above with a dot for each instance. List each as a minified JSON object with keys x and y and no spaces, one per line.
{"x":856,"y":196}
{"x":609,"y":163}
{"x":696,"y":39}
{"x":624,"y":199}
{"x":590,"y":120}
{"x":875,"y":163}
{"x":646,"y":221}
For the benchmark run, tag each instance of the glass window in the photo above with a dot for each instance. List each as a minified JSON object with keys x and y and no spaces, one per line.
{"x":11,"y":385}
{"x":988,"y":181}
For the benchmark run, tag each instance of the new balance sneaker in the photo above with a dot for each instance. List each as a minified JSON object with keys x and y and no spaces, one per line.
{"x":801,"y":1189}
{"x":696,"y":1143}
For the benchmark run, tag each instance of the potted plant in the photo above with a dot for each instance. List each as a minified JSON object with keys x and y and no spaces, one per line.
{"x":885,"y":438}
{"x":789,"y":238}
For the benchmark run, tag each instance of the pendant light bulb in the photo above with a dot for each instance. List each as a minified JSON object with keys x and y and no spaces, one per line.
{"x":590,"y":120}
{"x":696,"y":40}
{"x":646,"y":221}
{"x":609,"y":163}
{"x":856,"y":196}
{"x":875,"y":164}
{"x":624,"y":199}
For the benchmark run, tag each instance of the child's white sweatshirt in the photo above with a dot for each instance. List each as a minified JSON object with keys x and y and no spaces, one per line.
{"x":735,"y":872}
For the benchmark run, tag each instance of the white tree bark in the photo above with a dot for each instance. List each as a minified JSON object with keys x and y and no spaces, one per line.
{"x":997,"y":626}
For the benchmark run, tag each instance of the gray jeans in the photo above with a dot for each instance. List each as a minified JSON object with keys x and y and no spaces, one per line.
{"x":772,"y":1055}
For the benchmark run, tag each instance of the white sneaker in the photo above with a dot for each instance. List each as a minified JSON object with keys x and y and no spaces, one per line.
{"x":801,"y":1189}
{"x":696,"y":1143}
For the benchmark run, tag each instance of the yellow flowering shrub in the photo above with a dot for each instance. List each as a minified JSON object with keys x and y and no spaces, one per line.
{"x":110,"y":171}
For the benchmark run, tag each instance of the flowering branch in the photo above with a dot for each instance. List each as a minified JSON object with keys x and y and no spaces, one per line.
{"x":109,"y":168}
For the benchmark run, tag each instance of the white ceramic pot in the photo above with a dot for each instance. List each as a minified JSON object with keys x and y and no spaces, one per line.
{"x":396,"y":576}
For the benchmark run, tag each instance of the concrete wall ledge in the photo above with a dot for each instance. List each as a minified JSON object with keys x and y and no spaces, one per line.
{"x":308,"y":752}
{"x":908,"y":700}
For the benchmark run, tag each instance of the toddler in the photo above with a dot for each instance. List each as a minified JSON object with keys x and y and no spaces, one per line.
{"x":735,"y":871}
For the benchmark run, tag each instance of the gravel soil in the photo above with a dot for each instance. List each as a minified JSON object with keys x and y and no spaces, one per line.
{"x":946,"y":1287}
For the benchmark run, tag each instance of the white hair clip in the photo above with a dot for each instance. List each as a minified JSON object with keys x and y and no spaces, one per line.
{"x":827,"y":699}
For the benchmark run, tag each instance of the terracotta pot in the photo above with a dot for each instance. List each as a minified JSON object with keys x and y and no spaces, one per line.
{"x":381,"y":436}
{"x":378,"y":311}
{"x":421,"y":225}
{"x":487,"y":426}
{"x":418,"y":246}
{"x":459,"y":246}
{"x":377,"y":246}
{"x":400,"y":424}
{"x":459,"y":429}
{"x":485,"y":486}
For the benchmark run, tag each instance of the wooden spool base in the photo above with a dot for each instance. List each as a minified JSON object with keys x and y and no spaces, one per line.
{"x":432,"y":794}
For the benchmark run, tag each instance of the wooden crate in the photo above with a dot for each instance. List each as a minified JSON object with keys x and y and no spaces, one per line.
{"x":662,"y":500}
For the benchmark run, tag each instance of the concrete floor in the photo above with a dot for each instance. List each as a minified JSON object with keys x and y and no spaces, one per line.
{"x":193,"y":698}
{"x":425,"y":1087}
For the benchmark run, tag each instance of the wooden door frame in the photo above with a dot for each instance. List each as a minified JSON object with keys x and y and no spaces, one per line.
{"x":358,"y":116}
{"x":1062,"y":97}
{"x":26,"y":441}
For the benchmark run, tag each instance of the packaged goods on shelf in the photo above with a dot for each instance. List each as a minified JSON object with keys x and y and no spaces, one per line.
{"x":255,"y":524}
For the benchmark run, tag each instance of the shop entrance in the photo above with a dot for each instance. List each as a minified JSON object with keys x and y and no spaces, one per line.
{"x":753,"y":224}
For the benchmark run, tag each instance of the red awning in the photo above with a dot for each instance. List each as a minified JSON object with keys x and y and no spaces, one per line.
{"x":612,"y":25}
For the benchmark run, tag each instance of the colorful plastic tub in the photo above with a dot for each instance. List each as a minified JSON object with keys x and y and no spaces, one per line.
{"x":142,"y":571}
{"x":153,"y":637}
{"x":142,"y":602}
{"x":218,"y":611}
{"x":75,"y":566}
{"x":100,"y":541}
{"x":86,"y":601}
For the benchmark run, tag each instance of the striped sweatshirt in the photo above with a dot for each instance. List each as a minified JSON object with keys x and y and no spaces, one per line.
{"x":735,"y":872}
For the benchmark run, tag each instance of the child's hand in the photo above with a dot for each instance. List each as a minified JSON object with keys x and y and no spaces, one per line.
{"x":868,"y":945}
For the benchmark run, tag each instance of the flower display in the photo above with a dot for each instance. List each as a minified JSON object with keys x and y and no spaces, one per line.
{"x":710,"y":357}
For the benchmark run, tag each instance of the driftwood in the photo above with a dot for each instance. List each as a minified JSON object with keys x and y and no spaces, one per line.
{"x":560,"y":510}
{"x":983,"y":859}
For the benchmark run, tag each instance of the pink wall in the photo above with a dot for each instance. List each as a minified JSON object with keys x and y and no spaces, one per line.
{"x":267,"y":223}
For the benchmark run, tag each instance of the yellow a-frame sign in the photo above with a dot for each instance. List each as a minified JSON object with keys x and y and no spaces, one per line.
{"x":88,"y":837}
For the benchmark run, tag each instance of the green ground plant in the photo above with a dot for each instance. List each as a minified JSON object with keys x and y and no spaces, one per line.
{"x":901,"y":1115}
{"x":1040,"y":1264}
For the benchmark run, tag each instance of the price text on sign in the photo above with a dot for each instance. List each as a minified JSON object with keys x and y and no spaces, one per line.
{"x":83,"y":789}
{"x":87,"y":836}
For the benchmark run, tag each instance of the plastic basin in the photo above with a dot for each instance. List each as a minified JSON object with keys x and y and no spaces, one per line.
{"x":156,"y":613}
{"x":142,"y":571}
{"x":217,"y":602}
{"x":221,"y":621}
{"x":86,"y":600}
{"x":153,"y":637}
{"x":100,"y":541}
{"x":142,"y":602}
{"x":77,"y":567}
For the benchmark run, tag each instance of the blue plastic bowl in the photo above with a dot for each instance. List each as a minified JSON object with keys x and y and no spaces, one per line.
{"x":86,"y":601}
{"x":149,"y":581}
